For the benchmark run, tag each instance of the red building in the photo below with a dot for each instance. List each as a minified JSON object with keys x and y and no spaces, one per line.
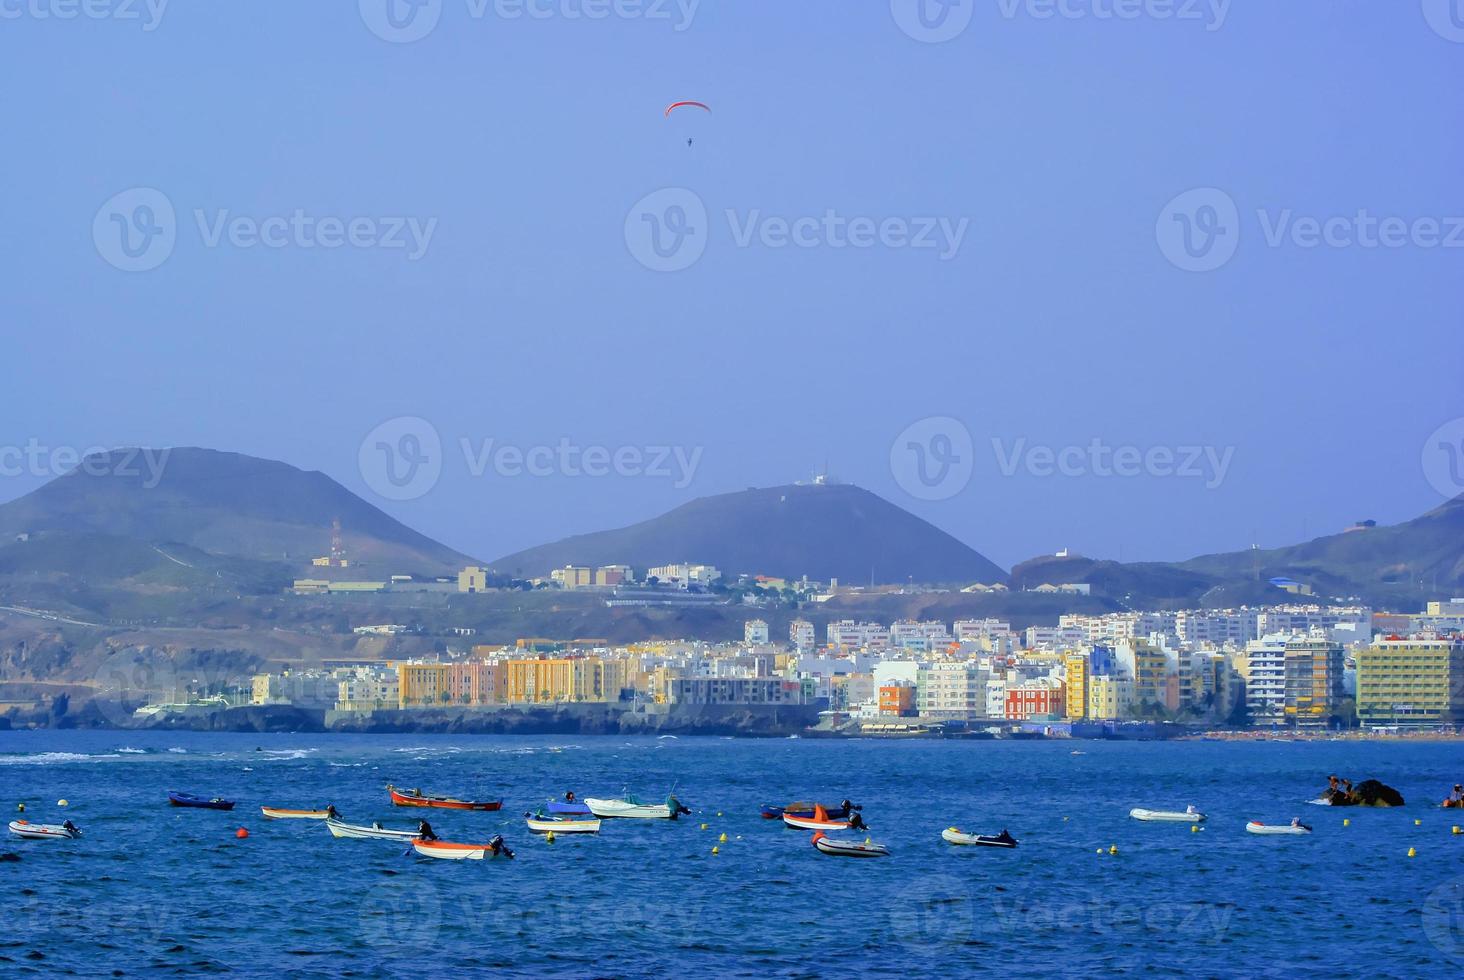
{"x":1035,"y":699}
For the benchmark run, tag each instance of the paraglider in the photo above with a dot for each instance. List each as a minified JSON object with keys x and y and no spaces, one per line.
{"x":687,"y":105}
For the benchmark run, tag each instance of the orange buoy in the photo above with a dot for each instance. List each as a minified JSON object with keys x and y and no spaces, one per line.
{"x":241,"y":833}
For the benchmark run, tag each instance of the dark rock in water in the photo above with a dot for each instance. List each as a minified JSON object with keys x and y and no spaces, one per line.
{"x":1369,"y":792}
{"x":9,"y":856}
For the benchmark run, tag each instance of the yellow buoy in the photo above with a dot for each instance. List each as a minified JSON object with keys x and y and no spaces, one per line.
{"x":716,"y":850}
{"x":1347,"y":821}
{"x":549,"y":837}
{"x":1418,"y":823}
{"x":703,"y":826}
{"x":1194,"y":827}
{"x":723,"y":838}
{"x":1457,"y":830}
{"x":20,"y":807}
{"x":1412,"y":852}
{"x":60,"y":802}
{"x":1112,"y":848}
{"x":719,"y":813}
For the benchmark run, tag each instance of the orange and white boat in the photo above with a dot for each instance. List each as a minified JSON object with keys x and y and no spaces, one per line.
{"x":819,"y":821}
{"x":417,"y":798}
{"x":449,"y":851}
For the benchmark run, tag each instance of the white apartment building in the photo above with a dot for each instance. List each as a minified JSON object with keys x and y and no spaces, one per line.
{"x":923,"y":636}
{"x":755,"y":631}
{"x":800,"y":635}
{"x":975,"y":629}
{"x":682,"y":575}
{"x":1055,"y":637}
{"x":367,"y":688}
{"x":847,"y":633}
{"x":1265,"y":679}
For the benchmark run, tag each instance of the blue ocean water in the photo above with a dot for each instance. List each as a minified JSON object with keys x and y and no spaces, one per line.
{"x":151,"y":888}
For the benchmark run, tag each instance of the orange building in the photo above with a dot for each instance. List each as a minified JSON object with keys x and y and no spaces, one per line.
{"x":897,"y":699}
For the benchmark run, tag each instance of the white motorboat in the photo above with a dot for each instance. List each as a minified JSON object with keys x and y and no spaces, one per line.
{"x":541,"y":824}
{"x":353,"y":832}
{"x":1256,"y":827}
{"x":954,"y":835}
{"x":631,"y":807}
{"x":449,"y":851}
{"x":1190,"y":815}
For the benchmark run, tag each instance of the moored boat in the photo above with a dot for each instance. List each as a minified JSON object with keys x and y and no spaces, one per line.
{"x":569,"y":808}
{"x":450,"y":851}
{"x":44,"y":831}
{"x":820,"y":819}
{"x":281,"y":813}
{"x":416,"y":797}
{"x":353,"y":832}
{"x":1256,"y":827}
{"x":1189,"y":815}
{"x":630,"y":807}
{"x":770,"y":812}
{"x":954,"y":835}
{"x":542,"y":823}
{"x":199,"y":802}
{"x":849,"y":848}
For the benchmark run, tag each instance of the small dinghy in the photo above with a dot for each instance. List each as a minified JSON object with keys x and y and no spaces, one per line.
{"x":542,"y":823}
{"x":44,"y":831}
{"x":416,"y":797}
{"x":280,"y":813}
{"x":462,"y":852}
{"x":770,"y":812}
{"x":1190,"y":815}
{"x":849,"y":848}
{"x":353,"y":832}
{"x":954,"y":835}
{"x":821,"y":819}
{"x":199,"y":802}
{"x":1256,"y":827}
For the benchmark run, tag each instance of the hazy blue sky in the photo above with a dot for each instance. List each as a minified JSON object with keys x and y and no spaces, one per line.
{"x":1055,"y":311}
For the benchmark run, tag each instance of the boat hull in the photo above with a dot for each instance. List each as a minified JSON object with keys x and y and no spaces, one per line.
{"x":850,"y":848}
{"x":198,"y":802}
{"x":442,"y":802}
{"x":1256,"y":827}
{"x":447,"y":851}
{"x":569,"y":826}
{"x":801,"y":823}
{"x":620,"y":809}
{"x":41,"y":831}
{"x":953,"y":836}
{"x":278,"y":813}
{"x":352,"y":832}
{"x":1166,"y":816}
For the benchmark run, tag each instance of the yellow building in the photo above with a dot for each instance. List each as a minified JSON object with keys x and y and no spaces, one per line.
{"x":472,"y":579}
{"x":1411,"y":682}
{"x":562,"y":679}
{"x":427,"y":685}
{"x":1076,"y":667}
{"x":1109,"y":697}
{"x":1313,"y":681}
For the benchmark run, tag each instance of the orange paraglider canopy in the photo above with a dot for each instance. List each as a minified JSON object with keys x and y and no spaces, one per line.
{"x":677,"y":105}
